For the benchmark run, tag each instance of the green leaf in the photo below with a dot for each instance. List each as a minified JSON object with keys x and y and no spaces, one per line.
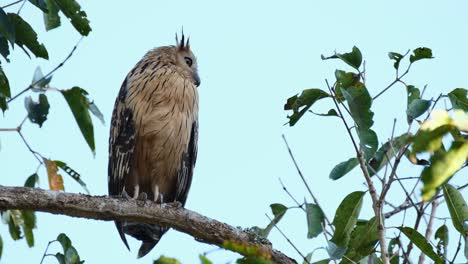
{"x":394,"y":242}
{"x":343,"y":168}
{"x":396,"y":57}
{"x":39,"y":80}
{"x":13,"y":227}
{"x":429,"y":140}
{"x":72,"y":173}
{"x":421,"y":243}
{"x":416,"y":108}
{"x":346,"y":217}
{"x":331,"y":112}
{"x":51,"y":18}
{"x":4,"y":49}
{"x":334,"y":251}
{"x":37,"y":112}
{"x":72,"y":10}
{"x":40,"y":4}
{"x":71,"y":256}
{"x":308,"y":258}
{"x":443,"y":236}
{"x":421,"y":53}
{"x":4,"y":90}
{"x":165,"y":260}
{"x":28,"y":234}
{"x":363,"y":240}
{"x":278,"y":211}
{"x":457,"y":207}
{"x":443,"y":166}
{"x":343,"y":81}
{"x":300,"y":104}
{"x":359,"y":103}
{"x":26,"y":36}
{"x":95,"y":111}
{"x":315,"y":220}
{"x":60,"y":258}
{"x":458,"y":99}
{"x":7,"y":29}
{"x":205,"y":260}
{"x":353,"y":58}
{"x":413,"y":94}
{"x":64,"y":241}
{"x":76,"y":99}
{"x":29,"y":222}
{"x":386,"y":152}
{"x":4,"y":85}
{"x":368,"y":142}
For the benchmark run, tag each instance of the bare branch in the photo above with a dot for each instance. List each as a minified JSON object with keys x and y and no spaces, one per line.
{"x":48,"y":74}
{"x":305,"y":183}
{"x":404,"y":206}
{"x":202,"y":228}
{"x":434,"y":204}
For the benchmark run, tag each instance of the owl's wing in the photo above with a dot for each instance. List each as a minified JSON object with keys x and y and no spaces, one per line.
{"x":184,"y":175}
{"x":121,"y":148}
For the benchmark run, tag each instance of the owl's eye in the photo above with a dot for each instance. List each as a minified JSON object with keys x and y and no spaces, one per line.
{"x":188,"y":61}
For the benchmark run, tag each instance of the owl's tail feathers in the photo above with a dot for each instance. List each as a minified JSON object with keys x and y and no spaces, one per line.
{"x":146,"y":247}
{"x":118,"y":224}
{"x":148,"y":234}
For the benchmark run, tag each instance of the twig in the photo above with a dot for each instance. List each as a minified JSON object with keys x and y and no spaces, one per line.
{"x":21,"y":7}
{"x":405,"y":205}
{"x":48,"y":74}
{"x":45,"y":251}
{"x":35,"y":153}
{"x":10,"y":4}
{"x":419,"y":214}
{"x":206,"y":230}
{"x":288,"y":240}
{"x":290,"y":195}
{"x":376,"y":203}
{"x":9,"y":129}
{"x":434,"y":204}
{"x":305,"y":182}
{"x":397,"y":79}
{"x":458,"y":250}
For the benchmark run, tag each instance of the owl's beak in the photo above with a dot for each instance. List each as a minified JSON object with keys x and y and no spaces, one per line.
{"x":196,"y":79}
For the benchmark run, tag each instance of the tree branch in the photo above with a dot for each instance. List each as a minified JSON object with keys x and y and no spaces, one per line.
{"x":202,"y":228}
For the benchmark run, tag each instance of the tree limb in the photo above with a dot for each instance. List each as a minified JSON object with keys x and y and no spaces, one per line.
{"x":202,"y":228}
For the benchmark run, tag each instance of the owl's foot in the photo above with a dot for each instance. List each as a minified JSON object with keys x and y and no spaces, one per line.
{"x":125,"y":195}
{"x":141,"y":199}
{"x":175,"y":204}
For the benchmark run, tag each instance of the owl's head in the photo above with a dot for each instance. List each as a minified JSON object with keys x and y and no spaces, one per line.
{"x":185,"y":58}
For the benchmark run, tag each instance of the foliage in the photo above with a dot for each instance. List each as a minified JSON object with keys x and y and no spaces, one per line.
{"x":15,"y":31}
{"x":354,"y":240}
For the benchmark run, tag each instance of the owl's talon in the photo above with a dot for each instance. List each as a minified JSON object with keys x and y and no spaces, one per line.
{"x":125,"y":195}
{"x":141,"y":199}
{"x":175,"y":204}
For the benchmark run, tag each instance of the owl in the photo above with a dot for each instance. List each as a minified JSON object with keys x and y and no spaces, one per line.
{"x":153,"y":135}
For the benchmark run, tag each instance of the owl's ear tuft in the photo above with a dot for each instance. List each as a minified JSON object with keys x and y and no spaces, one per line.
{"x":182,"y":45}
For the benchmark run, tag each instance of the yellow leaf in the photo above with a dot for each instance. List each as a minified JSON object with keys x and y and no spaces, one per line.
{"x":55,"y":179}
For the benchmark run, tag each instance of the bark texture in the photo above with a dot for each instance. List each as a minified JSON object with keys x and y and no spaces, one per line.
{"x":200,"y":227}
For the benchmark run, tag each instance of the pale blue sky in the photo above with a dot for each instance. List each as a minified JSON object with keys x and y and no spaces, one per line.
{"x":252,"y":55}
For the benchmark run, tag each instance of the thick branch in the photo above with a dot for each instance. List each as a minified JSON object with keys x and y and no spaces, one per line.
{"x":104,"y":208}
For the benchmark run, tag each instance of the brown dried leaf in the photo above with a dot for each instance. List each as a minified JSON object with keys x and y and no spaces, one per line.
{"x":55,"y":179}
